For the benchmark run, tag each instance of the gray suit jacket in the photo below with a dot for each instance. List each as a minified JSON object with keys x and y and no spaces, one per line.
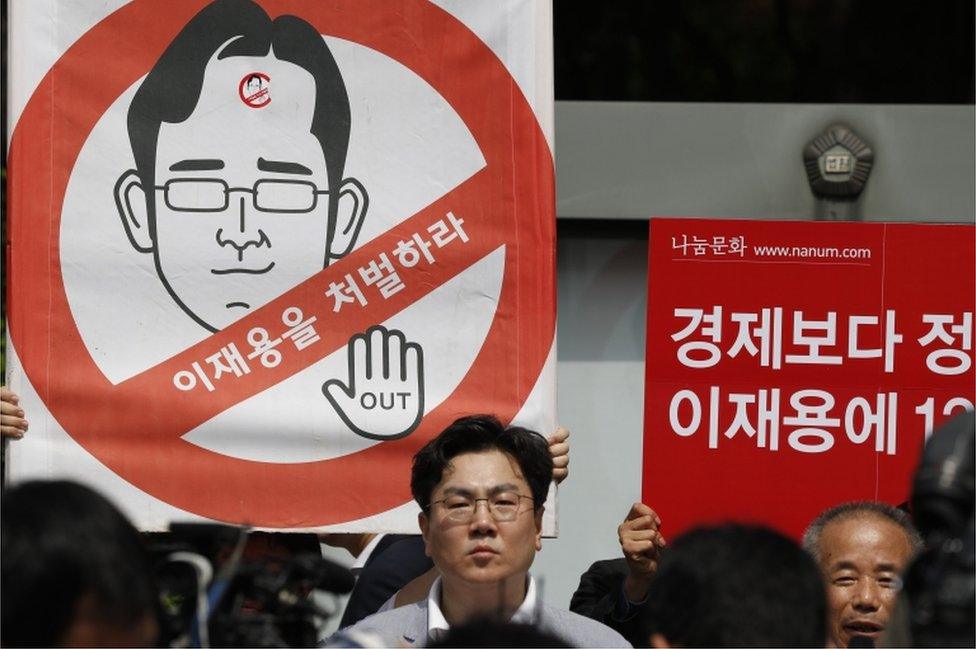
{"x":408,"y":624}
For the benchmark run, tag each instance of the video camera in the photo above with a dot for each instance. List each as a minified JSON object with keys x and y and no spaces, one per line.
{"x":224,"y":586}
{"x":941,"y":583}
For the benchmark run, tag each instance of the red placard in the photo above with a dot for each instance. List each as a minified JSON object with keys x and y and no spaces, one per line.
{"x":792,"y":366}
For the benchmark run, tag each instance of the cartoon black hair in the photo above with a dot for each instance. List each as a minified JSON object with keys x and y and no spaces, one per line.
{"x":229,"y":28}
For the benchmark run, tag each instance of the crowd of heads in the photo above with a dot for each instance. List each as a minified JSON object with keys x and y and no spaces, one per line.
{"x":75,"y":571}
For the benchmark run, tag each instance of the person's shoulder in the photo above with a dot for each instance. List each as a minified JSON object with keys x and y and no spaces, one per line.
{"x":395,"y":618}
{"x":579,"y":630}
{"x":396,"y":547}
{"x":403,"y":623}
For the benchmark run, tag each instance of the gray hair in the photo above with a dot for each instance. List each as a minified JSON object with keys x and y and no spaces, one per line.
{"x":811,"y":538}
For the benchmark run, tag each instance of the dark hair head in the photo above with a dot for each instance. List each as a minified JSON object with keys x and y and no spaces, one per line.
{"x":737,"y":585}
{"x":844,"y":511}
{"x":237,"y":28}
{"x":488,"y":632}
{"x":61,"y":542}
{"x":475,"y":434}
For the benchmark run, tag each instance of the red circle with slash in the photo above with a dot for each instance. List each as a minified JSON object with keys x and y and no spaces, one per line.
{"x":135,"y":428}
{"x":254,"y":89}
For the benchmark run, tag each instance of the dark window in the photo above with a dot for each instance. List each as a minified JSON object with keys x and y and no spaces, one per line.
{"x":813,"y":51}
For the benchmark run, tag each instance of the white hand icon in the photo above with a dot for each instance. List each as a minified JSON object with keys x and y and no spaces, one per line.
{"x":385,"y":396}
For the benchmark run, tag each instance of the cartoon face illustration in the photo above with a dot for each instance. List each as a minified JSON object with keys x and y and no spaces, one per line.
{"x":240,"y":218}
{"x":239,"y":134}
{"x":253,"y":84}
{"x":240,"y":201}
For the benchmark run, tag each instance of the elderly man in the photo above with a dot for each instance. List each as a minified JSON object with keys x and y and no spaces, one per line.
{"x":862,"y":549}
{"x":481,"y":489}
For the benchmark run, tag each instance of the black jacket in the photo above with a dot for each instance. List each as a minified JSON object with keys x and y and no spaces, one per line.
{"x":397,"y":560}
{"x":600,"y":596}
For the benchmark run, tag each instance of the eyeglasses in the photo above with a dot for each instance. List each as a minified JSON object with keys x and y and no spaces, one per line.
{"x":502,"y":507}
{"x":213,"y":195}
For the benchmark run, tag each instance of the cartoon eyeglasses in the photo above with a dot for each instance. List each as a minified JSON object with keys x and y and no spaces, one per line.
{"x":213,"y":195}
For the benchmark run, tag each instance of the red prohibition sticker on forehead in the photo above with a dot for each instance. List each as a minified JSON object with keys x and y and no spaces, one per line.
{"x":255,"y":89}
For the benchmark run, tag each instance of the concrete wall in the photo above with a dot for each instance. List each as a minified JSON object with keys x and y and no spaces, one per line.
{"x":622,"y":160}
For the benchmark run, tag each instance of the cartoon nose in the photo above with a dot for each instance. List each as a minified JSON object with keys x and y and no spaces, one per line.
{"x":243,"y":236}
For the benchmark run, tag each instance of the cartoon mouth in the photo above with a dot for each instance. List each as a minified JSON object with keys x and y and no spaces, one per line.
{"x":246,"y":271}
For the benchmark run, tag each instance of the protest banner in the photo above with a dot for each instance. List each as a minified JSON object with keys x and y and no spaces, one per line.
{"x":261,"y":252}
{"x":792,"y":366}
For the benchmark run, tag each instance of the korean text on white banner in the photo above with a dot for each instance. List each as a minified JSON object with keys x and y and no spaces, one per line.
{"x":261,"y":252}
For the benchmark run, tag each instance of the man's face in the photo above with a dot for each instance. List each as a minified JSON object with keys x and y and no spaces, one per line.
{"x":483,"y":550}
{"x":862,"y":558}
{"x":233,"y":255}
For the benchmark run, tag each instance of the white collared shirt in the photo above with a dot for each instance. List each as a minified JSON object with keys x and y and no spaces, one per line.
{"x":360,"y":562}
{"x":437,"y":626}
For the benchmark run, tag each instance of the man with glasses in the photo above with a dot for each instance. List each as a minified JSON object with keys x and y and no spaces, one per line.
{"x":481,"y":489}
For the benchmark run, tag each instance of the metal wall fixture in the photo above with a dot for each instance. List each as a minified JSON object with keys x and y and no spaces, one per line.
{"x":838,"y":164}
